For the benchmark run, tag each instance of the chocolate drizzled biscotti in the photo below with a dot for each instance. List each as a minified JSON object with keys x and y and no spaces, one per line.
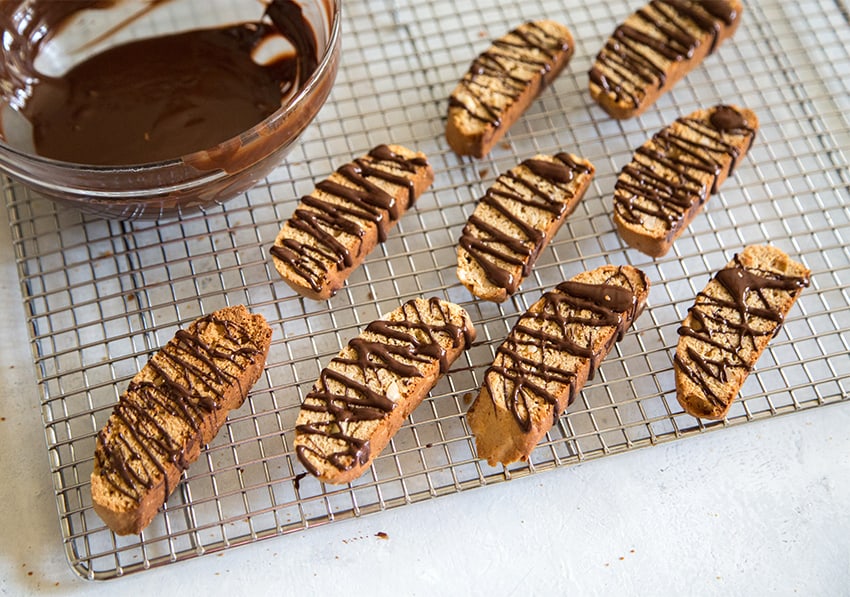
{"x":655,"y":47}
{"x":172,"y":407}
{"x":502,"y":82}
{"x":671,"y":176}
{"x":365,"y":393}
{"x":515,"y":220}
{"x":552,"y":350}
{"x":730,"y":325}
{"x":336,"y":226}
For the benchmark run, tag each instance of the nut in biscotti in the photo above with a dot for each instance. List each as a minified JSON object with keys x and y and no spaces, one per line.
{"x":671,"y":176}
{"x":172,"y":407}
{"x":366,"y":392}
{"x":515,"y":220}
{"x":336,"y":226}
{"x":502,"y":82}
{"x":554,"y":348}
{"x":655,"y":47}
{"x":730,"y":325}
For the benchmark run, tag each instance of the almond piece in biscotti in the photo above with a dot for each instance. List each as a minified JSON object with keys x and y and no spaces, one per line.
{"x":367,"y":391}
{"x":554,"y":348}
{"x":730,"y":324}
{"x":502,"y":82}
{"x":341,"y":221}
{"x":655,"y":47}
{"x":516,"y":219}
{"x":672,"y":175}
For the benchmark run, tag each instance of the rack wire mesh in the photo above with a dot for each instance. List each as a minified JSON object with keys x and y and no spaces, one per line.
{"x":102,"y":296}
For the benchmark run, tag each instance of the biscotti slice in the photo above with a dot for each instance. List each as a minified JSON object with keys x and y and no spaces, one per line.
{"x":730,"y":325}
{"x":655,"y":47}
{"x":552,"y":350}
{"x":502,"y":82}
{"x":515,"y":220}
{"x":336,"y":226}
{"x":172,"y":407}
{"x":671,"y":176}
{"x":366,"y":392}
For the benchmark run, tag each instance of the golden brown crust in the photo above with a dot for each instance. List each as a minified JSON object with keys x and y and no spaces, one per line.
{"x":490,"y":97}
{"x":172,"y":407}
{"x":342,"y":220}
{"x":731,"y":323}
{"x":629,"y":74}
{"x":672,"y":175}
{"x":365,"y":393}
{"x":515,"y":221}
{"x":548,"y":356}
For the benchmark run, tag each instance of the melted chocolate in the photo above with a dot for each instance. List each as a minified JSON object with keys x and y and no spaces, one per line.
{"x":399,"y":348}
{"x":501,"y":65}
{"x":349,"y":210}
{"x":159,"y":98}
{"x":555,"y":331}
{"x":191,"y":379}
{"x":728,"y":119}
{"x":498,"y":250}
{"x":643,"y":191}
{"x":632,"y":54}
{"x":728,"y":336}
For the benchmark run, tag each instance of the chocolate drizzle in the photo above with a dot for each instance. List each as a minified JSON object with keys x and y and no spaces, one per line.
{"x":499,"y":250}
{"x":347,"y":206}
{"x":504,"y":70}
{"x":159,"y":417}
{"x":535,"y":363}
{"x":673,"y":174}
{"x":351,"y":389}
{"x":634,"y":58}
{"x":729,"y":323}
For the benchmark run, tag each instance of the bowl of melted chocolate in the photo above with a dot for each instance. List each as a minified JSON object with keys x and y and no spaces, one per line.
{"x":149,"y":108}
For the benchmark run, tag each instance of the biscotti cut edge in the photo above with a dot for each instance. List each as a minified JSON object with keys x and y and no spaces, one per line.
{"x":365,"y":393}
{"x":495,"y":252}
{"x":505,"y":433}
{"x":125,"y":514}
{"x":707,"y":385}
{"x":654,"y":236}
{"x":467,"y":135}
{"x":620,"y":107}
{"x":316,"y":267}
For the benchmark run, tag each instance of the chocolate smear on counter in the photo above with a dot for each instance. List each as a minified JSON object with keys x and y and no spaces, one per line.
{"x":529,"y":376}
{"x":162,"y":97}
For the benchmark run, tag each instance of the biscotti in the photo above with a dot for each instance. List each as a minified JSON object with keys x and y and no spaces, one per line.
{"x":515,"y":220}
{"x":671,"y":176}
{"x":655,"y":47}
{"x":336,"y":226}
{"x":554,"y":348}
{"x":366,"y":392}
{"x":730,"y":325}
{"x":502,"y":82}
{"x":172,"y":407}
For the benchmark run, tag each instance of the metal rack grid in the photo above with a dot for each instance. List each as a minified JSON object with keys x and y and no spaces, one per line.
{"x":103,"y":296}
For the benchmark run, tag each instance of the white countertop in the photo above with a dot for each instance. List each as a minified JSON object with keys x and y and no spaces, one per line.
{"x":755,"y":509}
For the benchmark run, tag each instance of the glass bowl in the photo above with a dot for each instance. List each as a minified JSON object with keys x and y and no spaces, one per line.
{"x":197,"y":180}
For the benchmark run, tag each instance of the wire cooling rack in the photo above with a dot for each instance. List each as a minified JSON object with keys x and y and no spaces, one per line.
{"x":102,"y":296}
